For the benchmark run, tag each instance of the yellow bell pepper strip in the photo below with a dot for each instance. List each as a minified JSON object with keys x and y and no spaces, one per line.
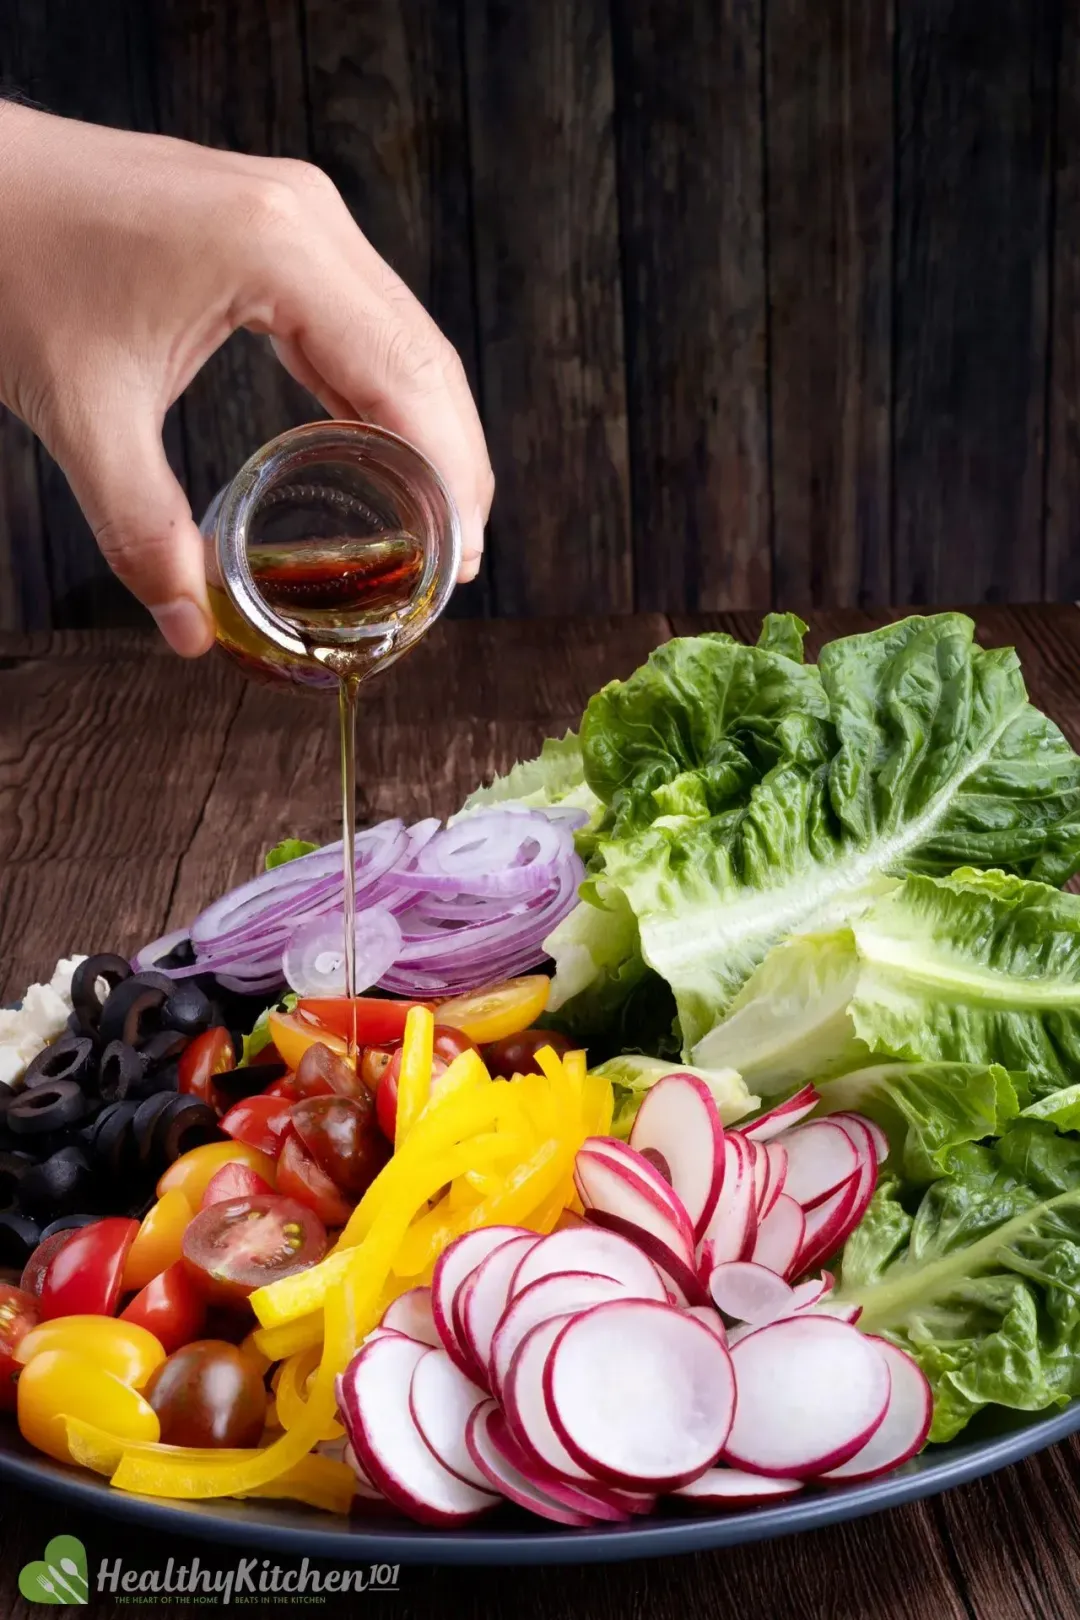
{"x":465,"y":1071}
{"x":276,"y":1343}
{"x":291,"y":1391}
{"x":598,"y":1104}
{"x":320,"y":1482}
{"x":414,"y":1081}
{"x":58,"y":1384}
{"x":429,"y":1235}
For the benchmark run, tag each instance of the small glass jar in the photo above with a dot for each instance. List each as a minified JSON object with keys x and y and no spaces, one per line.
{"x":332,"y":550}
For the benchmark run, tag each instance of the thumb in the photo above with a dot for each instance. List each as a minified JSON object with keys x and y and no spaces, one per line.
{"x":142,"y":521}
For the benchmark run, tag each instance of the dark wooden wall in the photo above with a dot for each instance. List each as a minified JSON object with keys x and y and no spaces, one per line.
{"x":765,"y":301}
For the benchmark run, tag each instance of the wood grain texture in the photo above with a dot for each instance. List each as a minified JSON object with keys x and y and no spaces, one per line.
{"x":691,"y":192}
{"x":829,"y":123}
{"x":549,"y":303}
{"x":1062,"y":577}
{"x":172,"y":783}
{"x":974,"y":110}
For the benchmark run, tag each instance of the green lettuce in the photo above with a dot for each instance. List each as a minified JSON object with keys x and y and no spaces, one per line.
{"x":555,"y":776}
{"x":632,"y":1076}
{"x":290,"y":849}
{"x":260,"y":1037}
{"x":980,"y":1278}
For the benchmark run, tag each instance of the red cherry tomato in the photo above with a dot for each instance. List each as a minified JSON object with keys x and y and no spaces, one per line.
{"x":259,"y":1121}
{"x":233,"y":1248}
{"x":343,"y":1137}
{"x":447,"y":1044}
{"x":377,"y":1021}
{"x":19,"y":1312}
{"x":209,"y":1394}
{"x":322,"y":1072}
{"x":170,"y":1307}
{"x":233,"y":1181}
{"x":84,"y":1276}
{"x":207,"y":1055}
{"x":301,"y":1177}
{"x":281,"y":1088}
{"x":516,"y":1054}
{"x":38,"y":1264}
{"x":386,"y":1097}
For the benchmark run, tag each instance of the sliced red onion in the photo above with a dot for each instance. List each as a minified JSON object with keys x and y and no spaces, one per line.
{"x":151,"y":954}
{"x":314,"y":959}
{"x":495,"y":852}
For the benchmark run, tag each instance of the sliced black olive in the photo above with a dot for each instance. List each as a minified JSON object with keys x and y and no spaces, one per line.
{"x":165,"y":1077}
{"x":13,"y":1167}
{"x":119,"y":1072}
{"x":46,"y":1108}
{"x":84,"y":995}
{"x":69,"y":1058}
{"x":166,"y":1044}
{"x":184,"y":1123}
{"x":113,"y":1146}
{"x":68,"y":1223}
{"x":145,"y":1121}
{"x":235,"y":1084}
{"x":188,"y":1009}
{"x":60,"y":1186}
{"x":132,"y":1012}
{"x":19,"y":1237}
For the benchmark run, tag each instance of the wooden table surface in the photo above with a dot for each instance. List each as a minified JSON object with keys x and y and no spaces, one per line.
{"x":135,"y":787}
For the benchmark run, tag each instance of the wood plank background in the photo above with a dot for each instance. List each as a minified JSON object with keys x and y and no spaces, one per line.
{"x":765,"y":301}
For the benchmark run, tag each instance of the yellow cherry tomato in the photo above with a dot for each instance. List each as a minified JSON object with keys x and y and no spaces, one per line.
{"x":192,"y":1173}
{"x":58,"y":1384}
{"x":159,"y":1240}
{"x":504,"y":1009}
{"x":125,"y":1349}
{"x":292,"y":1034}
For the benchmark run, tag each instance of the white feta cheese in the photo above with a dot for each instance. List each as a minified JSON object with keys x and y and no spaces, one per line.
{"x":63,"y":974}
{"x":11,"y":1067}
{"x":43,"y":1016}
{"x":45,"y":1012}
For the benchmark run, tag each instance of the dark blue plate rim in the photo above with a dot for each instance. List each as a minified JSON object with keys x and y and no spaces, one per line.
{"x":295,"y":1531}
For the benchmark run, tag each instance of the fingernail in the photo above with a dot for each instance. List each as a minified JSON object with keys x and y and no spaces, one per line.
{"x":185,"y":627}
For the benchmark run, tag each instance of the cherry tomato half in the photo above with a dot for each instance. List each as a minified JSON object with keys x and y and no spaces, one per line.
{"x":386,"y":1096}
{"x":300,"y":1176}
{"x":447,"y":1044}
{"x":19,"y":1315}
{"x":324,"y":1073}
{"x":207,"y":1055}
{"x":233,"y":1181}
{"x":158,"y":1241}
{"x":84,"y":1277}
{"x":504,"y":1009}
{"x":38,"y":1264}
{"x":59,"y":1384}
{"x":171,"y":1307}
{"x":209,"y":1394}
{"x":191,"y":1172}
{"x":233,"y":1248}
{"x":516,"y":1054}
{"x":259,"y":1121}
{"x":376,"y":1021}
{"x":343,"y":1137}
{"x":293,"y":1035}
{"x":129,"y":1350}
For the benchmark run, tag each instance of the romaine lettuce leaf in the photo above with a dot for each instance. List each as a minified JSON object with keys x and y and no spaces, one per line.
{"x":260,"y":1037}
{"x":632,"y":1076}
{"x":555,"y":776}
{"x":981,"y":1282}
{"x":290,"y":849}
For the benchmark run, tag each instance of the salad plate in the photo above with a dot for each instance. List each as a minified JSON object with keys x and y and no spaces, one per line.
{"x":299,"y":1531}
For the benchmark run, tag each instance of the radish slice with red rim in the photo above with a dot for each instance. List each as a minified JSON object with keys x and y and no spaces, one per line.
{"x":550,"y":1296}
{"x":524,"y":1403}
{"x":411,"y":1314}
{"x":442,"y":1400}
{"x":811,"y":1393}
{"x":837,"y":1309}
{"x":759,"y":1169}
{"x":783,"y":1116}
{"x":878,"y":1140}
{"x":364,"y":1487}
{"x":903,"y":1429}
{"x":684,"y":1285}
{"x":827,"y":1224}
{"x":452,"y":1267}
{"x":482,"y":1299}
{"x":733,"y":1487}
{"x":730,"y":1232}
{"x":750,"y":1292}
{"x":509,"y":1481}
{"x":661,"y":1408}
{"x":678,"y":1123}
{"x":821,"y":1157}
{"x":636,"y":1166}
{"x":373,"y":1398}
{"x":711,"y":1318}
{"x":810,"y":1292}
{"x":780,"y":1237}
{"x":589,"y":1248}
{"x":776,"y":1155}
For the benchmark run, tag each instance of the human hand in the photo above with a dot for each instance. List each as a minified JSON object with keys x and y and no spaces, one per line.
{"x":126,"y":260}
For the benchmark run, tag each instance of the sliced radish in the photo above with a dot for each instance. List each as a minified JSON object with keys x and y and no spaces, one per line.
{"x":783,"y":1116}
{"x":411,"y":1314}
{"x":482,"y":1298}
{"x":730,"y":1232}
{"x":589,"y":1247}
{"x":820,"y":1158}
{"x":780,"y":1236}
{"x":879,"y":1141}
{"x":776,"y":1154}
{"x":750,"y":1292}
{"x":711,"y":1318}
{"x":568,"y":1220}
{"x":442,"y":1400}
{"x":585,"y":1497}
{"x":611,"y":1177}
{"x":732,"y":1487}
{"x":507,"y":1480}
{"x":905,"y":1425}
{"x":550,"y":1296}
{"x":837,"y":1309}
{"x":681,"y":1278}
{"x":827,"y":1224}
{"x":451,"y":1269}
{"x":364,"y":1487}
{"x":678,"y":1122}
{"x":811,"y":1392}
{"x":810,"y":1292}
{"x":759,"y":1169}
{"x":373,"y":1398}
{"x":640,"y":1394}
